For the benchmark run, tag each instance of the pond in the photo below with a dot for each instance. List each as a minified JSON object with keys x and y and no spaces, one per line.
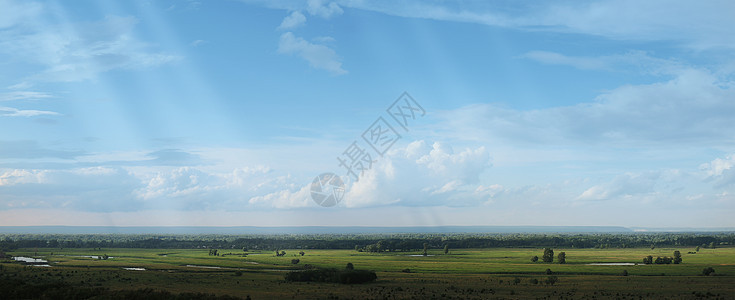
{"x":205,"y":267}
{"x":134,"y":269}
{"x":86,"y":256}
{"x":36,"y":262}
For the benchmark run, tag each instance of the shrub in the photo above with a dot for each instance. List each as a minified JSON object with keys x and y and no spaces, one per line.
{"x":551,"y":280}
{"x":332,"y":275}
{"x":708,"y":271}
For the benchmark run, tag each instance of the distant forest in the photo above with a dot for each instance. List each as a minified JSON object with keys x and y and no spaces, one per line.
{"x":366,"y":242}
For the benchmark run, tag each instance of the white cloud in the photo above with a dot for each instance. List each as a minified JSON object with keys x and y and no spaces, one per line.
{"x":13,"y":112}
{"x":585,"y":63}
{"x":79,"y":51}
{"x":23,"y":95}
{"x":288,"y":198}
{"x":721,"y":171}
{"x":698,"y":25}
{"x":295,"y":19}
{"x":318,"y":56}
{"x":694,"y":107}
{"x":623,"y":186}
{"x":637,"y":61}
{"x":198,"y":43}
{"x":421,"y":175}
{"x":323,"y":8}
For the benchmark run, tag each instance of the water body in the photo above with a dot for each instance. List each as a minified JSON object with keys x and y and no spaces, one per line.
{"x":613,"y":264}
{"x":205,"y":267}
{"x":36,"y":262}
{"x":134,"y":269}
{"x":417,"y":255}
{"x":86,"y":256}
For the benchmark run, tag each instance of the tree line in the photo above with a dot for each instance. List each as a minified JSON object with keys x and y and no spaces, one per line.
{"x":367,"y":242}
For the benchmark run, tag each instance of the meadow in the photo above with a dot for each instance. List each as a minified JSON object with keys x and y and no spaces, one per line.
{"x":506,"y":273}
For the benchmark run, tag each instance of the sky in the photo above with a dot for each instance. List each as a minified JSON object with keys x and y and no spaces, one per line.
{"x":223,"y":113}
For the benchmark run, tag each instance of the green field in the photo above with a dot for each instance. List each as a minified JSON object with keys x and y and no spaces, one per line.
{"x":463,"y":273}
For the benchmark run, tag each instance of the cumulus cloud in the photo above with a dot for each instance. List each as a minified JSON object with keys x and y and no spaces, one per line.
{"x":85,"y":189}
{"x":295,"y":19}
{"x":721,"y":171}
{"x":323,"y":8}
{"x":625,"y":185}
{"x":318,"y":56}
{"x":421,"y":175}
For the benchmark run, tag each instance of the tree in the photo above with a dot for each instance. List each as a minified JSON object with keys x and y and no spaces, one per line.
{"x":697,"y":249}
{"x":446,"y":249}
{"x":659,"y":260}
{"x":295,"y":261}
{"x":708,"y":271}
{"x":380,"y":246}
{"x":350,"y":266}
{"x":562,"y":258}
{"x":244,"y":249}
{"x":548,"y":272}
{"x":653,"y":246}
{"x":426,"y":247}
{"x":548,"y":255}
{"x":534,"y":258}
{"x":677,"y":257}
{"x":648,"y":260}
{"x":552,"y":280}
{"x":712,"y":245}
{"x":302,"y":253}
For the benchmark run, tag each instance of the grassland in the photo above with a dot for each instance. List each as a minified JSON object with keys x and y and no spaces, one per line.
{"x":462,"y":274}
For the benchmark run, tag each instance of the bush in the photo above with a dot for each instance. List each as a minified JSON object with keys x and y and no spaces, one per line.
{"x":332,"y":275}
{"x":406,"y":270}
{"x":534,"y":259}
{"x":349,"y":266}
{"x":708,"y":271}
{"x":551,"y":280}
{"x":548,"y":272}
{"x":295,"y":261}
{"x":238,"y":273}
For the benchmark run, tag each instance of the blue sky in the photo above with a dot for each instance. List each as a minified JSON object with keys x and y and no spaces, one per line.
{"x":222,"y":112}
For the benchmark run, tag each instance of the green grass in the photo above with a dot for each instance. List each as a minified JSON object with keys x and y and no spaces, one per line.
{"x":464,"y":273}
